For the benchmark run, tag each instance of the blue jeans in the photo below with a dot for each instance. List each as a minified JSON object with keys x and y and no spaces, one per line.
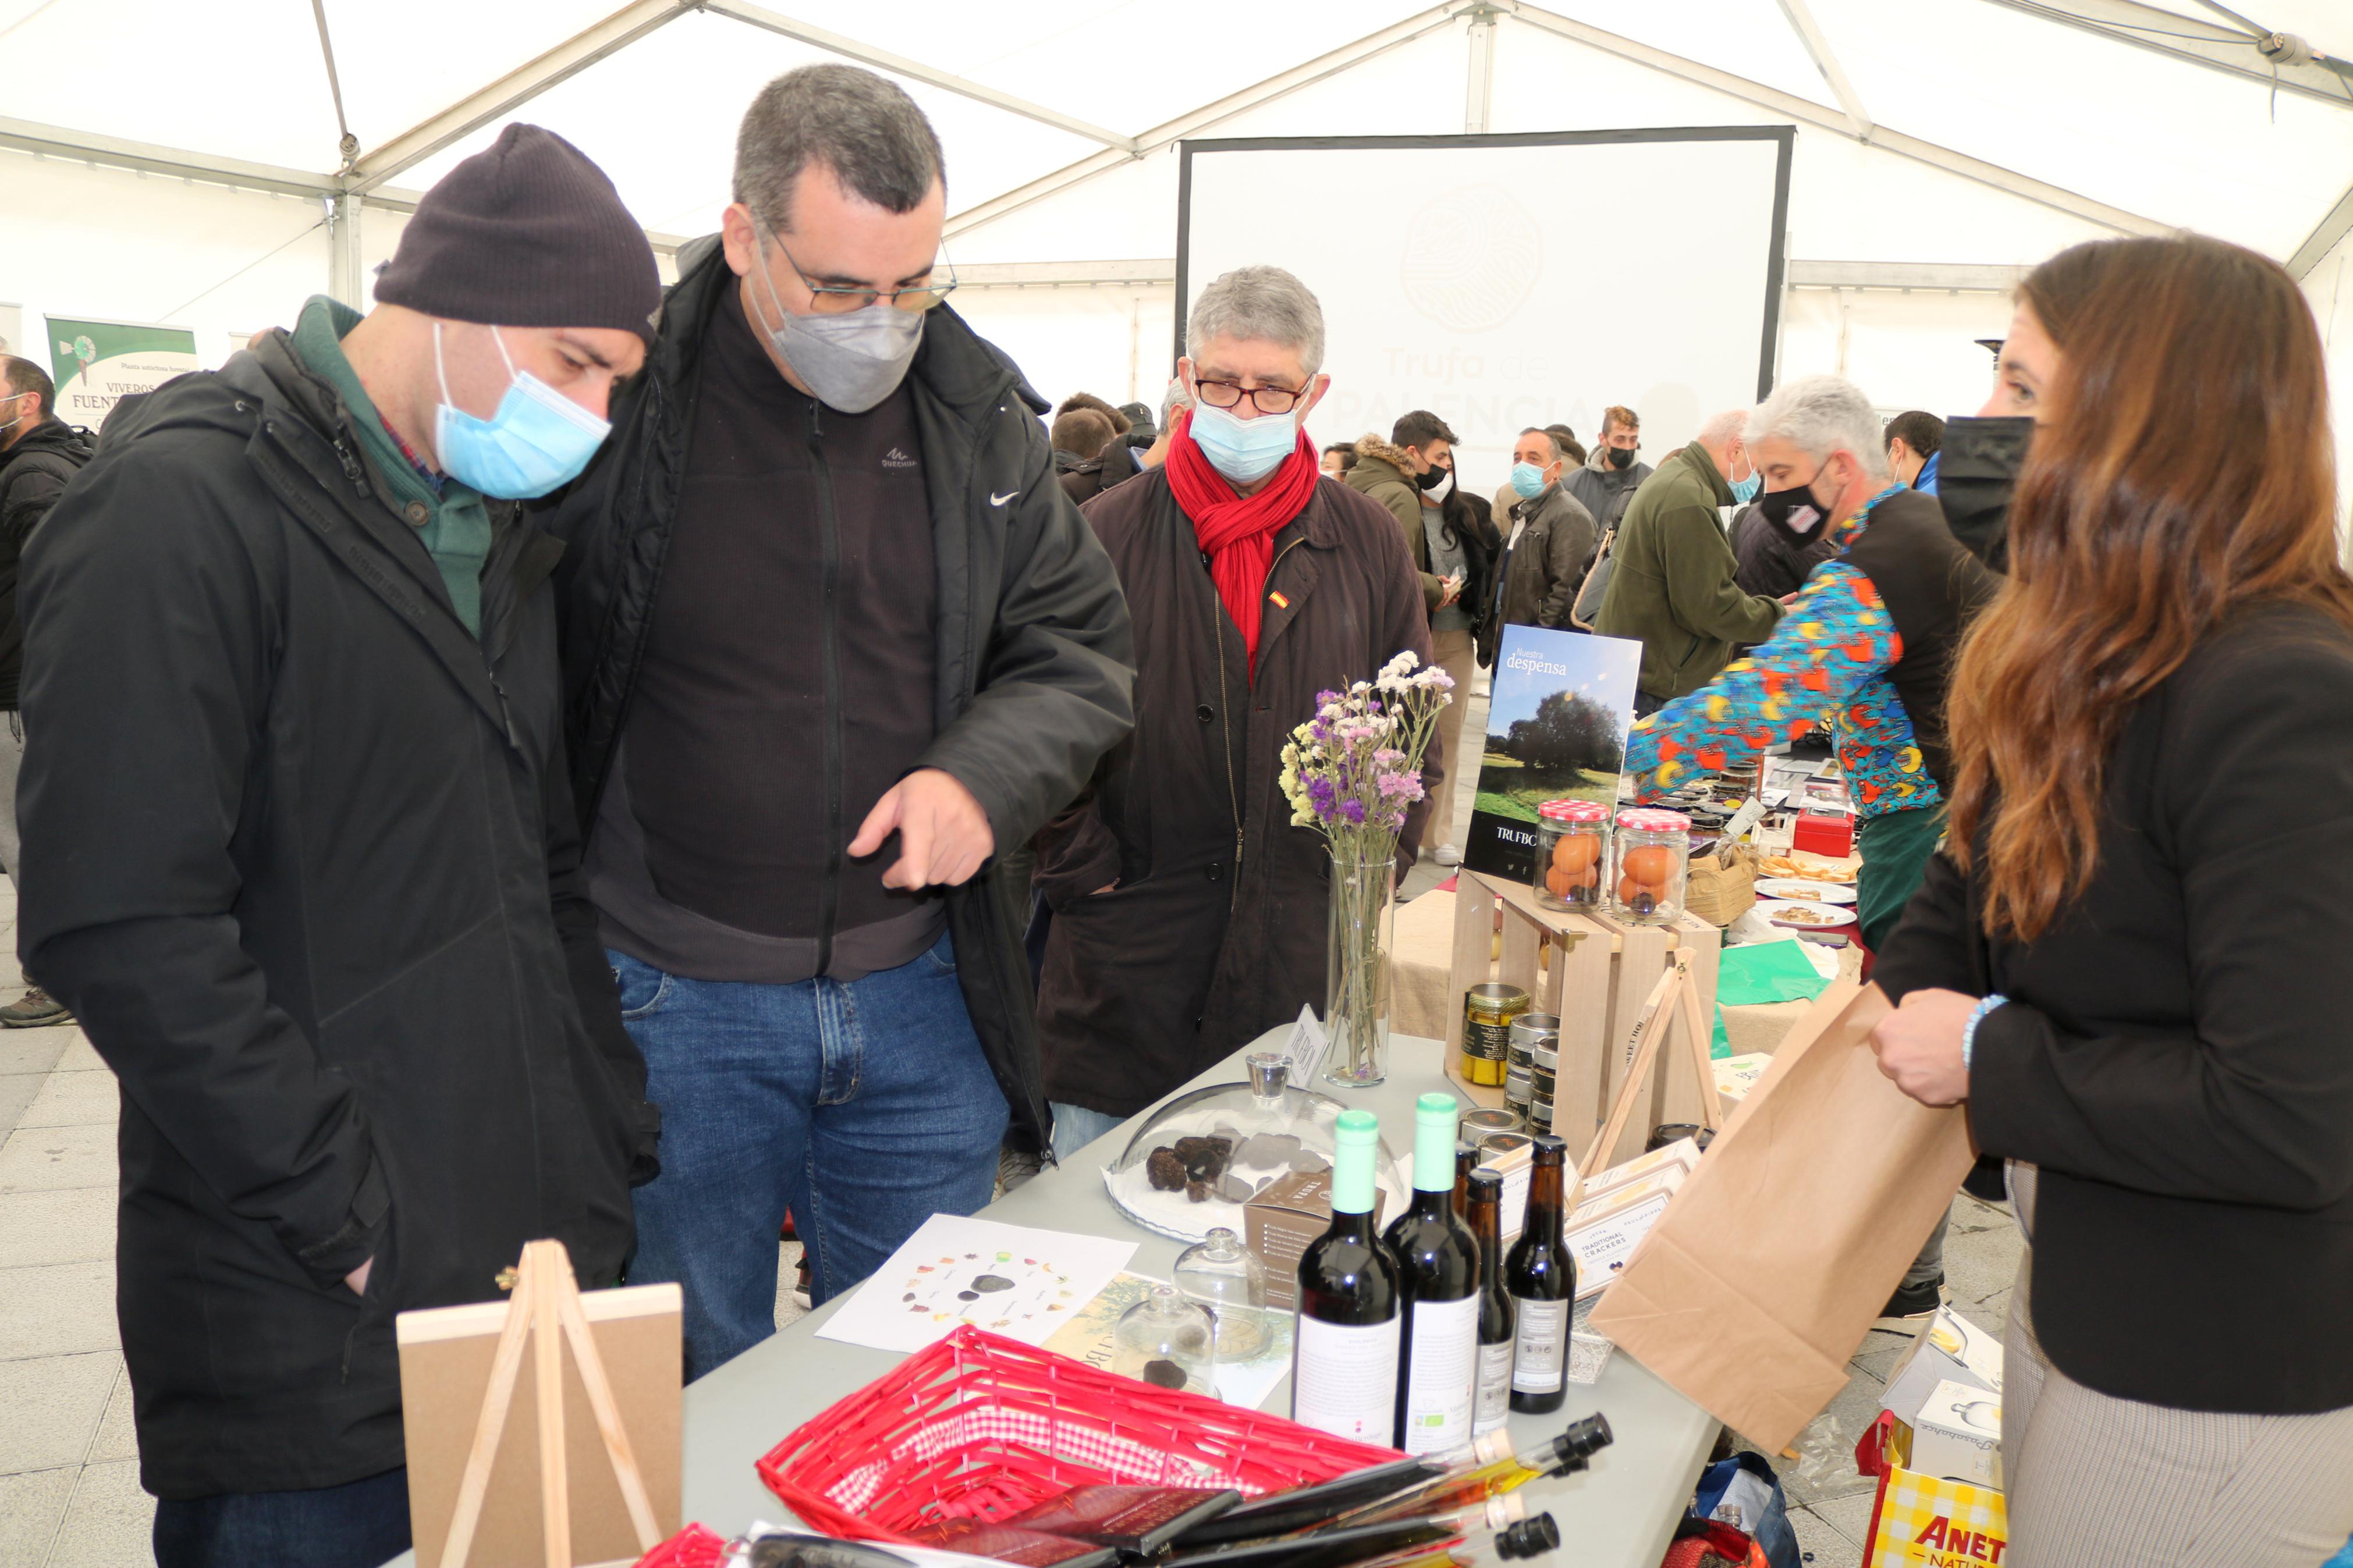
{"x":357,"y":1525}
{"x":865,"y":1107}
{"x":1075,"y":1126}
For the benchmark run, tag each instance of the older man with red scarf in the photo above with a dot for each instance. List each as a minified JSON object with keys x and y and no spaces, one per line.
{"x":1188,"y":913}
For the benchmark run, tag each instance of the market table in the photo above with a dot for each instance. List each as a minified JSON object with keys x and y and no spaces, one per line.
{"x":1617,"y":1514}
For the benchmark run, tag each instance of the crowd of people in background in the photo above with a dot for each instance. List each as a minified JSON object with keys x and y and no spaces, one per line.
{"x":554,"y":755}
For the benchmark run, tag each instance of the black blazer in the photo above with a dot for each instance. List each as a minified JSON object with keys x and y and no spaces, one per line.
{"x":2177,"y":1056}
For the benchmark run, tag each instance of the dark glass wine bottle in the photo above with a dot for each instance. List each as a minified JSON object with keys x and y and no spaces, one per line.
{"x":1437,"y":1287}
{"x":1490,"y":1404}
{"x":1346,"y":1349}
{"x":1465,"y":1158}
{"x":1541,"y":1278}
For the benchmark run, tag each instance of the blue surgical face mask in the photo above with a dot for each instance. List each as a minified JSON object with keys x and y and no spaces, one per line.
{"x":537,"y":440}
{"x":1527,"y":480}
{"x":1244,"y":451}
{"x":1745,"y":490}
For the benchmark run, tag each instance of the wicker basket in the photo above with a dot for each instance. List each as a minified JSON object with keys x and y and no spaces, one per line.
{"x":982,"y":1427}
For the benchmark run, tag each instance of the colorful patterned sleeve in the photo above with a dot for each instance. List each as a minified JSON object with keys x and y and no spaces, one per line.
{"x":1837,"y":637}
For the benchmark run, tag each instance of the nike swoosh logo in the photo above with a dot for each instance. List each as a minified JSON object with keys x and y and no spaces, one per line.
{"x":1000,"y":501}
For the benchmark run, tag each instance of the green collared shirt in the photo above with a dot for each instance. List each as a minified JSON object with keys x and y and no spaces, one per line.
{"x":456,"y":528}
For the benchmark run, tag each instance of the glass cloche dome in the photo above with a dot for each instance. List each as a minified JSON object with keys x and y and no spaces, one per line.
{"x":1192,"y":1166}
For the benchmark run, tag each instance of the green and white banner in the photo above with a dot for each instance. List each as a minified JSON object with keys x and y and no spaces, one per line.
{"x":97,"y":364}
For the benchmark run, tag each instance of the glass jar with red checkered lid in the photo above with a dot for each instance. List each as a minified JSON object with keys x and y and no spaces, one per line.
{"x":1650,"y":857}
{"x":1572,"y":854}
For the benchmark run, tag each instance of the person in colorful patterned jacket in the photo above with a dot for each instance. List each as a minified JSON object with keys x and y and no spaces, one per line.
{"x":1867,"y":647}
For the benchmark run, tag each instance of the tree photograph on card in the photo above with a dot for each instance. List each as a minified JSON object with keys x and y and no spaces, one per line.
{"x":1557,"y":715}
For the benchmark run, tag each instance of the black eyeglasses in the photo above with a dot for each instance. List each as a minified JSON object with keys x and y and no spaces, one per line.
{"x":1265,"y":399}
{"x":831,"y":298}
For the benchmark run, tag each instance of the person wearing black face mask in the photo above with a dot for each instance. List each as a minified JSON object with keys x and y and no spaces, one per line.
{"x":1867,"y":647}
{"x":1605,"y":486}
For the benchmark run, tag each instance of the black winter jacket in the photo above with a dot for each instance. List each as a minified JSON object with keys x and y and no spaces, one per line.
{"x":1035,"y":657}
{"x":33,"y":474}
{"x":300,"y":854}
{"x":2173,"y":1055}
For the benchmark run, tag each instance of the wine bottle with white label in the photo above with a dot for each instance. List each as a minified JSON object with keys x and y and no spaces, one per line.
{"x":1344,"y":1351}
{"x":1541,"y":1278}
{"x":1490,"y":1404}
{"x":1438,"y":1285}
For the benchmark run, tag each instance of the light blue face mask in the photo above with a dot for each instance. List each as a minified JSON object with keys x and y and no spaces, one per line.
{"x":538,"y":439}
{"x":1244,"y":451}
{"x":1745,"y":490}
{"x":1527,"y":480}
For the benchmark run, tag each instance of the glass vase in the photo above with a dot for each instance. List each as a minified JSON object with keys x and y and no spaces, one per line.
{"x":1356,"y":974}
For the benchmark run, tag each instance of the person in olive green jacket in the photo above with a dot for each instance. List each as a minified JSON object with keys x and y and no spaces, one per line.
{"x":1673,"y":584}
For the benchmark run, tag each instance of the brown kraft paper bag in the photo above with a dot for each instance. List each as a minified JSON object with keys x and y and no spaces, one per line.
{"x":1771,"y":1263}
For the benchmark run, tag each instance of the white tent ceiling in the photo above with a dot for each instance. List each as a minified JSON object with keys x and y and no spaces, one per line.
{"x":170,"y":159}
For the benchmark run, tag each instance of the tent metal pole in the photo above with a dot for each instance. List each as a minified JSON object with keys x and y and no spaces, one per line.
{"x":518,"y":87}
{"x":146,"y":158}
{"x":2322,"y":240}
{"x":1478,"y":99}
{"x":344,"y":281}
{"x":1183,"y":125}
{"x":1801,"y":21}
{"x":1805,"y":111}
{"x":2197,"y":41}
{"x":916,"y":70}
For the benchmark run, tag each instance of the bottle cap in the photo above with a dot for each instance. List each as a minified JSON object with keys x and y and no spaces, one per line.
{"x":1583,"y":1439}
{"x":1437,"y":1107}
{"x":1529,"y":1538}
{"x":1551,"y":1150}
{"x":1359,"y":1129}
{"x":1486,"y":1184}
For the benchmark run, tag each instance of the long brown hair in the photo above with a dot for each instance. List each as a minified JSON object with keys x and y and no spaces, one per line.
{"x":2186,"y":468}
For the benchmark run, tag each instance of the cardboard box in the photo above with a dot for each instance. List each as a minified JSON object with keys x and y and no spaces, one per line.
{"x":1735,"y":1076}
{"x":1603,"y":1236}
{"x":1921,"y":1521}
{"x":1665,"y":1179}
{"x":1683,"y":1152}
{"x":1951,"y":1350}
{"x":1957,"y":1436}
{"x":1281,"y":1222}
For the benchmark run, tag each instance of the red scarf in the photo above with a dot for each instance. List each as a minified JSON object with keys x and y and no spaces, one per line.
{"x":1238,"y":531}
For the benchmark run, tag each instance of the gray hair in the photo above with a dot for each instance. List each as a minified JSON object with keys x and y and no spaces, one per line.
{"x":1265,"y":303}
{"x":1820,"y":415}
{"x":1725,"y":429}
{"x":864,"y":128}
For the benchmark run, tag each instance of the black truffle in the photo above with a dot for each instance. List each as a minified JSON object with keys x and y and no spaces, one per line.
{"x":1167,"y":1170}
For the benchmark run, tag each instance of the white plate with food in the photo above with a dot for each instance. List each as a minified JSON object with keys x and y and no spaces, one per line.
{"x":1796,"y":914}
{"x":1804,"y":892}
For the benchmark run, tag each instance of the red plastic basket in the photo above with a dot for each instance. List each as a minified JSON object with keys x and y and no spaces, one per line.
{"x":982,"y":1427}
{"x":693,"y":1547}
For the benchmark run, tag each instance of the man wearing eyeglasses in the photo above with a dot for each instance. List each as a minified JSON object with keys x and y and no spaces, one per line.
{"x":835,"y":639}
{"x":1190,"y":912}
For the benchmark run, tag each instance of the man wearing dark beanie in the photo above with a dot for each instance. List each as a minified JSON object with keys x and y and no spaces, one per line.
{"x":301,"y":854}
{"x":836,"y":644}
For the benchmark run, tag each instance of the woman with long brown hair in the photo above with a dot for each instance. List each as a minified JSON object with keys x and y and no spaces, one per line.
{"x":2127,"y":960}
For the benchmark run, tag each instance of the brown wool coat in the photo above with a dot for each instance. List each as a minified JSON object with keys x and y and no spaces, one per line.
{"x":1215,"y":933}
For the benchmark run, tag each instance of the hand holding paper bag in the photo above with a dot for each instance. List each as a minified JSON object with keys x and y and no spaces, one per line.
{"x":1768,"y":1269}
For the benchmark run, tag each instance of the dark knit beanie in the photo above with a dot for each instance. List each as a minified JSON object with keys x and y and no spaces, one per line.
{"x":527,"y":234}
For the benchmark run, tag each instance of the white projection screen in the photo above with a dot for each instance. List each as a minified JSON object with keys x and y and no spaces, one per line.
{"x":1508,"y":281}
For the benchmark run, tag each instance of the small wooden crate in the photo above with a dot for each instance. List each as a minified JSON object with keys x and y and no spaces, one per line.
{"x":1599,"y":973}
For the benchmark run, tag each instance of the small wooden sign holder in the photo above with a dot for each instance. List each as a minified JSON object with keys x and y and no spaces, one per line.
{"x":544,"y":1313}
{"x":1675,"y":999}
